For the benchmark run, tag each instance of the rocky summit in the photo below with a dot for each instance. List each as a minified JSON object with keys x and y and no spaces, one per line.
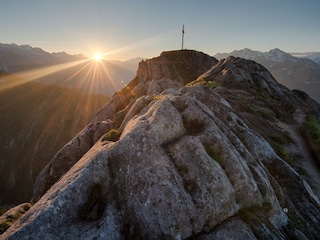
{"x":192,"y":148}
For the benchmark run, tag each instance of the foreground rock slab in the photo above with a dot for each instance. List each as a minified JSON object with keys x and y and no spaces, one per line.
{"x":187,"y":164}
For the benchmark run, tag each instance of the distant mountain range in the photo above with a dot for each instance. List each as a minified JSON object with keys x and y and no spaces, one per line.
{"x":296,"y":71}
{"x":301,"y":72}
{"x":108,"y":76}
{"x":314,"y":56}
{"x":15,"y":58}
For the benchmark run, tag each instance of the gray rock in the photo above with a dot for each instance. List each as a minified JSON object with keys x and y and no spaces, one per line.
{"x":232,"y":229}
{"x":188,"y":164}
{"x":68,"y":156}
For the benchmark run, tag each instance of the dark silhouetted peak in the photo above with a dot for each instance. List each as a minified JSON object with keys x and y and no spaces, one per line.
{"x":172,"y":69}
{"x":181,"y":66}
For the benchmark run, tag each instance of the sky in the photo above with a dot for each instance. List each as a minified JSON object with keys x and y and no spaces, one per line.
{"x":124,"y":29}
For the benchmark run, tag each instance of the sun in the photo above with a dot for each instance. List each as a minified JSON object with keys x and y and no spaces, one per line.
{"x":97,"y":57}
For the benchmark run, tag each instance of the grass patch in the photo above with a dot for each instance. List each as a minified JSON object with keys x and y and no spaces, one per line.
{"x":258,"y":111}
{"x":3,"y":209}
{"x":201,"y":81}
{"x":13,"y":217}
{"x":282,"y":152}
{"x":249,"y":213}
{"x":259,"y":94}
{"x":289,"y":108}
{"x":278,"y":142}
{"x":4,"y":226}
{"x":112,"y":135}
{"x":284,"y":138}
{"x":212,"y":84}
{"x":300,"y":94}
{"x":296,"y":222}
{"x":157,"y":97}
{"x":254,"y":109}
{"x":311,"y":129}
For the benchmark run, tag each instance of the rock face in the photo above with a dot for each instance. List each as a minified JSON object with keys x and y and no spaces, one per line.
{"x":195,"y":161}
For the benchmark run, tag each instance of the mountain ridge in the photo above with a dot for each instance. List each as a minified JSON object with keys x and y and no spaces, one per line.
{"x":194,"y":148}
{"x":314,"y":56}
{"x":69,"y":71}
{"x":15,"y":58}
{"x":251,"y":53}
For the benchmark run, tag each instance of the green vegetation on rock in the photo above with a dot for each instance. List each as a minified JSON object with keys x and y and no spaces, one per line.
{"x":12,"y":216}
{"x":311,"y":130}
{"x":279,"y":141}
{"x":112,"y":135}
{"x":201,"y":81}
{"x":214,"y":153}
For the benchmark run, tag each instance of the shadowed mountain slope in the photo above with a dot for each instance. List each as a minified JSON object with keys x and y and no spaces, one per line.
{"x":36,"y":120}
{"x":191,"y":148}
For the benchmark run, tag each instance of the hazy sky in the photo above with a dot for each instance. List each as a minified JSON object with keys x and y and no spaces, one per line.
{"x":132,"y":28}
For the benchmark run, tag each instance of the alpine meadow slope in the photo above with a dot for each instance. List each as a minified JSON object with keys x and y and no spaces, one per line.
{"x":193,"y":148}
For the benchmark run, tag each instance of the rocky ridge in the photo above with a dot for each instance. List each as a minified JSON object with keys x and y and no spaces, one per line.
{"x":189,"y":149}
{"x":293,"y":72}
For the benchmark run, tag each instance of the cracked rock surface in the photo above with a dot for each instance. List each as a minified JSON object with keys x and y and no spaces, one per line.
{"x":190,"y":162}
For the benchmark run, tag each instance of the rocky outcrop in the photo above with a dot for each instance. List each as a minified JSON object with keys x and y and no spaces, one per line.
{"x":179,"y":66}
{"x":191,"y":162}
{"x":292,"y":71}
{"x":153,"y":76}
